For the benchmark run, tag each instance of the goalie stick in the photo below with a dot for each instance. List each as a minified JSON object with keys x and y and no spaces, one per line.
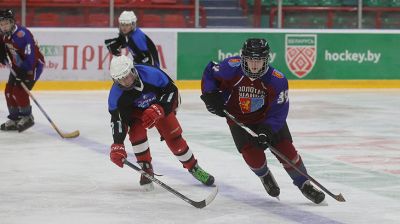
{"x":197,"y":204}
{"x":338,"y":197}
{"x":73,"y":134}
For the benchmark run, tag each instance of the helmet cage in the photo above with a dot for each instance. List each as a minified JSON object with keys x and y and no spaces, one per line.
{"x":255,"y":49}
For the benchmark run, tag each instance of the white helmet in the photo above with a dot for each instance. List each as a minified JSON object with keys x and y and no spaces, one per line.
{"x":127,"y":17}
{"x":121,"y":67}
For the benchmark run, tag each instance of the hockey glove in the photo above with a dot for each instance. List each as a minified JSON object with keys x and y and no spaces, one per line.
{"x":151,"y":115}
{"x":113,"y":45}
{"x":265,"y":137}
{"x":214,"y":103}
{"x":117,"y":154}
{"x":21,"y":74}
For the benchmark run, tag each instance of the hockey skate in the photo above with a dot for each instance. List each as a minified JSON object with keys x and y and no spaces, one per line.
{"x":201,"y":175}
{"x":25,"y":122}
{"x":145,"y":183}
{"x":313,"y":194}
{"x":10,"y":125}
{"x":270,"y":184}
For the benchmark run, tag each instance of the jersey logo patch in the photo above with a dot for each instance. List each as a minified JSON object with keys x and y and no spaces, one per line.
{"x":277,"y":74}
{"x":20,"y":34}
{"x":145,"y":100}
{"x":234,"y":62}
{"x":248,"y":104}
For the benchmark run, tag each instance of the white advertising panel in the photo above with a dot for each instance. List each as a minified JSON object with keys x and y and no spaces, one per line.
{"x":80,"y":53}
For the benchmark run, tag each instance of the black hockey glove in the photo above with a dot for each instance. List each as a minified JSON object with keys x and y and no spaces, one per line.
{"x":265,"y":136}
{"x":214,"y":103}
{"x":21,"y":74}
{"x":114,"y":45}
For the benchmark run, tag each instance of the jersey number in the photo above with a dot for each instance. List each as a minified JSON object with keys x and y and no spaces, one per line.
{"x":283,"y":97}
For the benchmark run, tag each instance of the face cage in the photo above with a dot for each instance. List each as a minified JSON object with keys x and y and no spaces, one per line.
{"x":247,"y":70}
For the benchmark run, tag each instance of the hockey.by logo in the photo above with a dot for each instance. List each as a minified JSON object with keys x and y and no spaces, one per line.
{"x":300,"y":53}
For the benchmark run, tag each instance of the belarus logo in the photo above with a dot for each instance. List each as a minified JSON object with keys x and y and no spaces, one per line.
{"x":300,"y":53}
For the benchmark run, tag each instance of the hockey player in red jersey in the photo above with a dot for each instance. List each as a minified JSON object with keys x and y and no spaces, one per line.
{"x":257,"y":95}
{"x":143,"y":97}
{"x":27,"y":62}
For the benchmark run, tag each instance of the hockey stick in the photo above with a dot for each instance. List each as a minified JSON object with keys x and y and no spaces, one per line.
{"x":338,"y":197}
{"x":73,"y":134}
{"x":197,"y":204}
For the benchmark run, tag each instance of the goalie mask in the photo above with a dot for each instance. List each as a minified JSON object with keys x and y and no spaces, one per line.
{"x":127,"y":22}
{"x":255,"y":57}
{"x":124,"y":73}
{"x":7,"y":22}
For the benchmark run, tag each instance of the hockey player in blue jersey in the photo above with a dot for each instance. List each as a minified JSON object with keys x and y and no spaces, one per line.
{"x":257,"y":95}
{"x":143,"y":97}
{"x":132,"y":37}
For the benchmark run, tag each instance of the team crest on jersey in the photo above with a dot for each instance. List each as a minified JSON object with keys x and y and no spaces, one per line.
{"x":249,"y":105}
{"x":300,"y":53}
{"x":251,"y":99}
{"x":20,"y":34}
{"x":234,"y":62}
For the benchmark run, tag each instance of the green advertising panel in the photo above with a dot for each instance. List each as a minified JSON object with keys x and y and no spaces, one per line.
{"x":298,"y":55}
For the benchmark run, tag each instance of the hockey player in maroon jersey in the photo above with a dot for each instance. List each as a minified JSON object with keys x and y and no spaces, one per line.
{"x":257,"y":95}
{"x":143,"y":97}
{"x":27,"y":62}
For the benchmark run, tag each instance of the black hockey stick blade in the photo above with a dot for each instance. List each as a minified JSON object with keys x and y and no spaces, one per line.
{"x":197,"y":204}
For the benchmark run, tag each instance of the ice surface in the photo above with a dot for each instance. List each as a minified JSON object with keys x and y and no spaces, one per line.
{"x":349,"y":141}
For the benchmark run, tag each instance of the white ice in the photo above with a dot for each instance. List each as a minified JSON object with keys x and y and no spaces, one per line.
{"x":348,"y":139}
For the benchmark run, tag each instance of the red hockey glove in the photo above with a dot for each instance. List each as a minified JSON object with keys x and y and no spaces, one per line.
{"x":117,"y":154}
{"x":151,"y":115}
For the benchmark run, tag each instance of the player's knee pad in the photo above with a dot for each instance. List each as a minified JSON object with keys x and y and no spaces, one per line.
{"x":254,"y":157}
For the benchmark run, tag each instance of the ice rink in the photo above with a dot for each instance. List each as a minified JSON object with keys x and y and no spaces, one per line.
{"x":348,"y":139}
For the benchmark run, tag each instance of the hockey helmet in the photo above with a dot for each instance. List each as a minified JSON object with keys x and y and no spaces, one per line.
{"x":255,"y":57}
{"x":7,"y":14}
{"x":127,"y":17}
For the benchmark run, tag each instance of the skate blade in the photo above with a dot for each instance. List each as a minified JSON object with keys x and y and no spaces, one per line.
{"x":147,"y":187}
